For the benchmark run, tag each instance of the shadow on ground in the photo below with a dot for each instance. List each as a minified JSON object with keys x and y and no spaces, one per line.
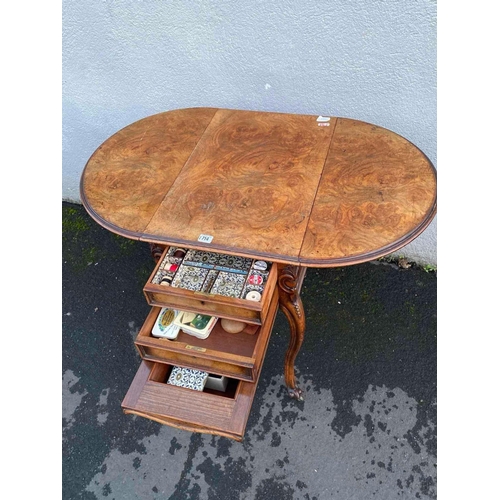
{"x":367,"y":427}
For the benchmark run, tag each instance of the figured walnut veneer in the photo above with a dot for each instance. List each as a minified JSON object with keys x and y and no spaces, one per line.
{"x":127,"y":177}
{"x":280,"y":186}
{"x":377,"y":192}
{"x":250,"y":182}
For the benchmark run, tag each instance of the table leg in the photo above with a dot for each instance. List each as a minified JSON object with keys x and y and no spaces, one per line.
{"x":156,"y":250}
{"x":289,"y":283}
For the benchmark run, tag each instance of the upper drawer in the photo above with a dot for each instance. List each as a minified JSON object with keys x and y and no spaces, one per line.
{"x":212,"y":283}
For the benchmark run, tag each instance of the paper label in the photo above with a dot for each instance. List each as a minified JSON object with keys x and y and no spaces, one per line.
{"x":205,"y":238}
{"x":323,"y":121}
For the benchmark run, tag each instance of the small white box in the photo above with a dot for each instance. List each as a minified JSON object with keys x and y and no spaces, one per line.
{"x":164,"y":326}
{"x":198,"y":325}
{"x":216,"y":382}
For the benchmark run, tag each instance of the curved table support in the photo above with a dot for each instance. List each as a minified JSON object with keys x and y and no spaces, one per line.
{"x":290,"y":280}
{"x":156,"y":250}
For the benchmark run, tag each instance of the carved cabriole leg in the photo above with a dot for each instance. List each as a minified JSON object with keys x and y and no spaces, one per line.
{"x":291,"y":305}
{"x":156,"y":250}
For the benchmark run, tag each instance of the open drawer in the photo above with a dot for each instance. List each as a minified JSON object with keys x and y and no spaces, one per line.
{"x":202,"y":298}
{"x":237,"y":356}
{"x":213,"y":412}
{"x":221,"y":413}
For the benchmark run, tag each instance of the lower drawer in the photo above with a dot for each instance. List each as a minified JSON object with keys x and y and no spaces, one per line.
{"x":220,"y":413}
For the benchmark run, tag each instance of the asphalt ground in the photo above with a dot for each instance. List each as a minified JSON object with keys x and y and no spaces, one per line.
{"x":365,"y":430}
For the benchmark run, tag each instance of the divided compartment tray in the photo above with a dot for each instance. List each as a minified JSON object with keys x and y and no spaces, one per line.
{"x":245,"y":310}
{"x":237,"y":355}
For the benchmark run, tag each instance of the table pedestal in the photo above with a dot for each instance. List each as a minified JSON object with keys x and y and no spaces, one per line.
{"x":156,"y":250}
{"x":290,"y":280}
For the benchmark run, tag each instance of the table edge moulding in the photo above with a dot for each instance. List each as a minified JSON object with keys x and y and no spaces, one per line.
{"x":295,"y":190}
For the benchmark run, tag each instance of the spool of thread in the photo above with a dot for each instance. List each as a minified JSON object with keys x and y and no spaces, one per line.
{"x":171,"y":267}
{"x":179,"y":253}
{"x":260,"y":265}
{"x":255,"y":279}
{"x":253,"y":295}
{"x":166,"y":280}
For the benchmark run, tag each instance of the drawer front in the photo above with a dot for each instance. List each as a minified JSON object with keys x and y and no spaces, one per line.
{"x":234,"y":355}
{"x":249,"y":311}
{"x":223,"y":414}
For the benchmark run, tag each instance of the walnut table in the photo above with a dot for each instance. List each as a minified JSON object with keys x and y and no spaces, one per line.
{"x":298,"y":191}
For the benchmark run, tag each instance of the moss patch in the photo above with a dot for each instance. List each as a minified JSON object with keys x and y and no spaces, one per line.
{"x":73,"y":221}
{"x":85,"y":243}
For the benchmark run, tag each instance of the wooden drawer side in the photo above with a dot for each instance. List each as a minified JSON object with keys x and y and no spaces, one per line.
{"x":219,"y":368}
{"x":157,"y":295}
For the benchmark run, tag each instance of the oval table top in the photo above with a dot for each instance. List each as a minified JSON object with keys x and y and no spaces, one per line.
{"x":300,"y":189}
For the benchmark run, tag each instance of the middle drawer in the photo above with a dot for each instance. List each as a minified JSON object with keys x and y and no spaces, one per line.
{"x":237,"y":356}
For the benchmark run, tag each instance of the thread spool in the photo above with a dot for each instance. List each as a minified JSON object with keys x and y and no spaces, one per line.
{"x":255,"y":279}
{"x":179,"y":253}
{"x":171,"y":267}
{"x":260,"y":265}
{"x":253,"y":295}
{"x":166,"y":280}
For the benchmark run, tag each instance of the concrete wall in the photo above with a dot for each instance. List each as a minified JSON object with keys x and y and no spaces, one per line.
{"x":371,"y":60}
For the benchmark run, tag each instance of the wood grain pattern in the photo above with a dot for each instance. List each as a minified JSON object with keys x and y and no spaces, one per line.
{"x":250,"y":183}
{"x":184,"y":405}
{"x":270,"y":185}
{"x":377,"y":192}
{"x":127,"y":177}
{"x":289,"y":284}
